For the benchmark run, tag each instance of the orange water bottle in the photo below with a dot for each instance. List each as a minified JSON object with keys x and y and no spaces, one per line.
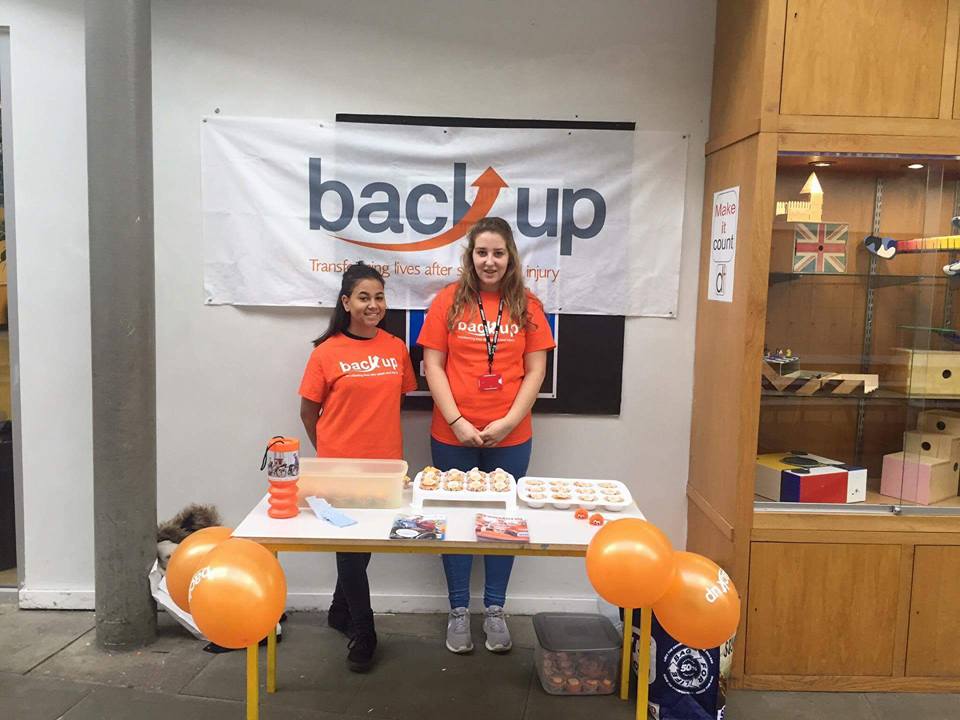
{"x":282,"y":462}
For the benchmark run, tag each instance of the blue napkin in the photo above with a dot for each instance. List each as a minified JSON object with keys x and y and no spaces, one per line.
{"x":325,"y":511}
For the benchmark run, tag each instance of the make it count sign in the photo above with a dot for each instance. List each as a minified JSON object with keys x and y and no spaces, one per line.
{"x":723,"y":244}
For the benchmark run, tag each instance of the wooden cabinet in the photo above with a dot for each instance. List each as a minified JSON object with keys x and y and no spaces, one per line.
{"x":877,"y":58}
{"x":830,"y":601}
{"x":934,"y":616}
{"x":822,"y":609}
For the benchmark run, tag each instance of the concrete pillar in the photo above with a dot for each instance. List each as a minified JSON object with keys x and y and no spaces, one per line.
{"x":120,"y":178}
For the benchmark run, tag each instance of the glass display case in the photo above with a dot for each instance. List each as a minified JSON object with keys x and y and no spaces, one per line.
{"x":860,"y":386}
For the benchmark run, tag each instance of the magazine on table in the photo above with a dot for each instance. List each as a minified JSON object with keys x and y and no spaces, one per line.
{"x":504,"y":529}
{"x":419,"y":527}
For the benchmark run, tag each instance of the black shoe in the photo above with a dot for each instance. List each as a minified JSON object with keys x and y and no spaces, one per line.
{"x":362,"y":648}
{"x":339,"y":620}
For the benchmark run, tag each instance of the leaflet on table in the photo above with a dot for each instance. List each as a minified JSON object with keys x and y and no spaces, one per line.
{"x":325,"y":511}
{"x":419,"y":527}
{"x":504,"y":529}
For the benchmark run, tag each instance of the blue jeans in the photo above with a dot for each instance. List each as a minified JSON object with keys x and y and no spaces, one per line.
{"x":514,"y":460}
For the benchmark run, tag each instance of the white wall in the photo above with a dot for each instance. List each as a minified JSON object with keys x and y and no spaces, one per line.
{"x":227,"y":377}
{"x":52,"y":322}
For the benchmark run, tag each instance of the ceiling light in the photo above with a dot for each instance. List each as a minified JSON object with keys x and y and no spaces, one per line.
{"x":915,"y":166}
{"x":822,"y":163}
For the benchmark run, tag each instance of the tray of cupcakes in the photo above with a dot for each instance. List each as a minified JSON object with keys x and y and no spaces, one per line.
{"x":562,"y":493}
{"x":474,"y":485}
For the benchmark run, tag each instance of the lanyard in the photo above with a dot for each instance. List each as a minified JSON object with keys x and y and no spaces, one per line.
{"x":491,"y":345}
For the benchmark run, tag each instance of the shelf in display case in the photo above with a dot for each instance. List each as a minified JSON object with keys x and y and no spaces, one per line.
{"x":874,"y":503}
{"x":879,"y":395}
{"x":878,"y":279}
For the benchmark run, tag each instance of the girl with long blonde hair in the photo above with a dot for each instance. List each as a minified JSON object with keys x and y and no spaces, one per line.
{"x":485,"y":341}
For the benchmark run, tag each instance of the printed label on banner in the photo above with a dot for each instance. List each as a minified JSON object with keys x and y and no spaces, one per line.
{"x":723,"y":244}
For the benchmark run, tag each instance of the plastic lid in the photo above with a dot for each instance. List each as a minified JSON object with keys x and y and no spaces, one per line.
{"x":283,"y":444}
{"x":575,"y":632}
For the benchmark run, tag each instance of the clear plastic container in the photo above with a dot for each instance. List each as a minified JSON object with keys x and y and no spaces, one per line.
{"x":576,"y":653}
{"x":352,"y":482}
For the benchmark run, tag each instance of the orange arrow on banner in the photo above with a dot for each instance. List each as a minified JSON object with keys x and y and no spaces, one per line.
{"x":488,"y":189}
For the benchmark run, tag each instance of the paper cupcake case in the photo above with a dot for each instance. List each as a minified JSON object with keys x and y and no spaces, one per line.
{"x":563,"y":493}
{"x":443,"y":494}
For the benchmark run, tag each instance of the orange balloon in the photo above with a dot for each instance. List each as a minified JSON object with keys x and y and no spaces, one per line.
{"x":186,"y":560}
{"x":630,"y":563}
{"x":701,"y":608}
{"x":238,"y":595}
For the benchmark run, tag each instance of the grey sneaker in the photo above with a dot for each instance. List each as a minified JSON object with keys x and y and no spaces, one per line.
{"x":495,"y":626}
{"x":458,"y":631}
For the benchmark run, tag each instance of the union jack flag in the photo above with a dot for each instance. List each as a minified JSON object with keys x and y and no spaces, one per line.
{"x":820,"y":248}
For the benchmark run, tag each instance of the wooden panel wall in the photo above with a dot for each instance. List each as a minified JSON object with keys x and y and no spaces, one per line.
{"x":726,"y":389}
{"x":878,"y":58}
{"x":934,"y":619}
{"x":739,"y":78}
{"x":822,"y":609}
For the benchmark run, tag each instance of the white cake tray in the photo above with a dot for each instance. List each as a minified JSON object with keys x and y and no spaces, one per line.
{"x":507,"y":497}
{"x":523,"y":492}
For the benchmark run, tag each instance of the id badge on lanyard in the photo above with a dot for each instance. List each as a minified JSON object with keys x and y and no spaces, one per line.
{"x":491,"y":381}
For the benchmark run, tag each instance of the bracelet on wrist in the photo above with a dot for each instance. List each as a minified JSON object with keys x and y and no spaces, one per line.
{"x":458,"y":417}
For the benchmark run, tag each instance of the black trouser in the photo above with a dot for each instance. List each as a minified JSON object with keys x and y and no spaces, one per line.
{"x":353,"y":590}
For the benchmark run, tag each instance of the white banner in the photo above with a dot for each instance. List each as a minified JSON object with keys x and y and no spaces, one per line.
{"x":288,"y":204}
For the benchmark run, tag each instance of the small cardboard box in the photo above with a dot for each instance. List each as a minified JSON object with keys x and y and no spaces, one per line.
{"x":936,"y":420}
{"x":926,"y":373}
{"x":942,"y":446}
{"x":918,"y":478}
{"x":782,"y":477}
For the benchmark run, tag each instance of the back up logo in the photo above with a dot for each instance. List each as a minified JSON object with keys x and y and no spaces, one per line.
{"x":384,"y":197}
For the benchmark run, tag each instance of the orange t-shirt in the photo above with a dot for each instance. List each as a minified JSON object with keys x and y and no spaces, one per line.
{"x":359,"y":383}
{"x":466,"y":349}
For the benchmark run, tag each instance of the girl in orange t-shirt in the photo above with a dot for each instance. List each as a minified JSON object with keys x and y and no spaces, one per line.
{"x":485,"y":341}
{"x":350,"y":407}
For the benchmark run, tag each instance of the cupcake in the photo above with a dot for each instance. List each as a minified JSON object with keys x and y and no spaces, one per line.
{"x":501,"y":485}
{"x":573,"y":685}
{"x":476,"y":474}
{"x":476,"y":485}
{"x":454,"y":485}
{"x":591,"y":685}
{"x":537,"y":496}
{"x":607,"y":484}
{"x":429,"y":482}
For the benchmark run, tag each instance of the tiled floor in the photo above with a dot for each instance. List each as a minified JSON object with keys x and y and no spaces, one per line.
{"x":51,"y":668}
